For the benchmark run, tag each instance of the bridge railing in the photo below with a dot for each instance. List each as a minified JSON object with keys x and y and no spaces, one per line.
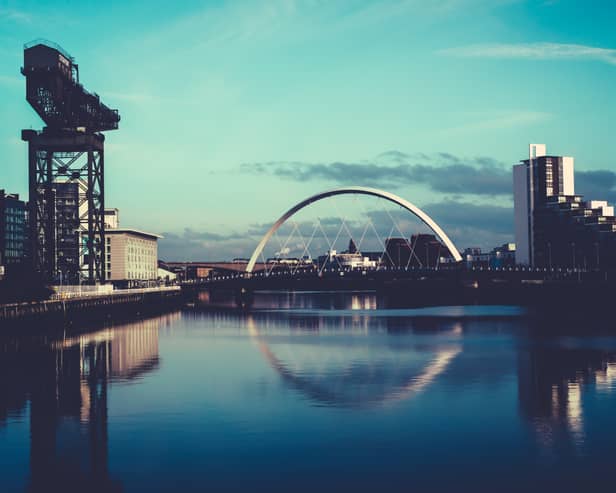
{"x":560,"y":272}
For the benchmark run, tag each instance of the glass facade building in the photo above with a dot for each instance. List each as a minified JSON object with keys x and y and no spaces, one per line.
{"x":13,"y":229}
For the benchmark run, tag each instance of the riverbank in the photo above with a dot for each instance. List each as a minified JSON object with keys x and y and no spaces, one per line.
{"x":68,"y":310}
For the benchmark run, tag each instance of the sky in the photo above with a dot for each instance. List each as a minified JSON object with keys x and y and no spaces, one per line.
{"x":233,"y":111}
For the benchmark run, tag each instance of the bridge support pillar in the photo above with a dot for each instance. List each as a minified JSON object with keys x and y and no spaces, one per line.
{"x":244,"y":296}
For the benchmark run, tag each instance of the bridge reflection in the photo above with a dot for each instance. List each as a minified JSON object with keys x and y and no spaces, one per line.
{"x":354,"y":357}
{"x":348,"y":376}
{"x":62,"y":382}
{"x":340,"y":368}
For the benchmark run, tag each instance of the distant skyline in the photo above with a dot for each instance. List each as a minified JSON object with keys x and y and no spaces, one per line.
{"x":234,"y":111}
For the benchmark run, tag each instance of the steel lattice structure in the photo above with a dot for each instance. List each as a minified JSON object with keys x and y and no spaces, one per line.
{"x":66,"y":167}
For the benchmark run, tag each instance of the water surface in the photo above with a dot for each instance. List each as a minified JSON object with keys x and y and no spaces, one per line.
{"x":311,"y":392}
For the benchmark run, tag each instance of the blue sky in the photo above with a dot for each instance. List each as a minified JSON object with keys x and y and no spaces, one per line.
{"x":233,"y":111}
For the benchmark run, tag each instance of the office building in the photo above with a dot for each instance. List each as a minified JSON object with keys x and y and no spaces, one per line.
{"x":131,"y":257}
{"x":13,"y":229}
{"x":554,"y":227}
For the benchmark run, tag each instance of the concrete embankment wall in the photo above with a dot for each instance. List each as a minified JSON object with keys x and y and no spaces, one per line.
{"x":115,"y":306}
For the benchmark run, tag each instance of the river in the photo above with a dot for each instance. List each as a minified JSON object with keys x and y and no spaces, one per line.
{"x":311,"y":392}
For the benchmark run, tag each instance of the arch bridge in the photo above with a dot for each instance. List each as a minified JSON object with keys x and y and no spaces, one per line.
{"x":405,"y":204}
{"x":356,"y":269}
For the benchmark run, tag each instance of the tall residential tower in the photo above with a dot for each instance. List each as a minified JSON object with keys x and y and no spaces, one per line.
{"x":534,"y":180}
{"x":554,"y":227}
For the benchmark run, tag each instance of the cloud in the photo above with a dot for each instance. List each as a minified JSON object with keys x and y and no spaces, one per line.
{"x":380,"y":11}
{"x":14,"y":15}
{"x":203,"y":245}
{"x":441,"y":172}
{"x":467,"y":224}
{"x":596,"y":185}
{"x":505,"y":120}
{"x":452,"y":214}
{"x":534,"y":51}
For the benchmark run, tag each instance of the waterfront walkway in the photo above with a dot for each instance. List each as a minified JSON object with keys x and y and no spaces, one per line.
{"x":91,"y":305}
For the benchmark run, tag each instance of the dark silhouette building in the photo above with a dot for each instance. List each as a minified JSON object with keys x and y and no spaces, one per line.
{"x":554,"y":227}
{"x":422,"y":250}
{"x":13,"y":229}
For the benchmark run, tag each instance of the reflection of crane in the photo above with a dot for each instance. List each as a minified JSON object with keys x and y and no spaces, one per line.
{"x":68,"y":150}
{"x":66,"y":380}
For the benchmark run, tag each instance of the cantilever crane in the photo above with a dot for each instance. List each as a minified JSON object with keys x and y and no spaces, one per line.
{"x":66,"y":158}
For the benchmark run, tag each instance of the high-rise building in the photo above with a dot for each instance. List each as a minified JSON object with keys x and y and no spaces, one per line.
{"x":535,"y":180}
{"x":13,"y":229}
{"x":554,"y":227}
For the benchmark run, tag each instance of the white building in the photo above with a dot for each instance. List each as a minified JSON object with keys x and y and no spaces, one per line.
{"x":351,"y":260}
{"x":112,"y":218}
{"x":534,"y":180}
{"x":131,"y":257}
{"x":166,"y":276}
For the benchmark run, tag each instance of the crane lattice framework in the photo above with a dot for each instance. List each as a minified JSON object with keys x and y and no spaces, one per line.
{"x":66,"y":159}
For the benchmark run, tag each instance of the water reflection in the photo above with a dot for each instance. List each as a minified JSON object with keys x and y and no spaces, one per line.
{"x":552,"y":381}
{"x":63,"y":383}
{"x":361,"y":394}
{"x":296,"y":300}
{"x":351,"y":376}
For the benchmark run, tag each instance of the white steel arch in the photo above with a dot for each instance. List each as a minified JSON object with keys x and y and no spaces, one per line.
{"x":427,"y":220}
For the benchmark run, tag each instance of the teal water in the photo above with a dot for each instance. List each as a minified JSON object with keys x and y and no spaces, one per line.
{"x":311,"y":392}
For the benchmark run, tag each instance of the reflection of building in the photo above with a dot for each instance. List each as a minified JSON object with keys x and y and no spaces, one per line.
{"x":66,"y":382}
{"x":135,"y":351}
{"x":12,"y":229}
{"x":553,"y":226}
{"x":551,"y":382}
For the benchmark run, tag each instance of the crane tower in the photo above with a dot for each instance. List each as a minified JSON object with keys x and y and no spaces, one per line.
{"x":66,"y":167}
